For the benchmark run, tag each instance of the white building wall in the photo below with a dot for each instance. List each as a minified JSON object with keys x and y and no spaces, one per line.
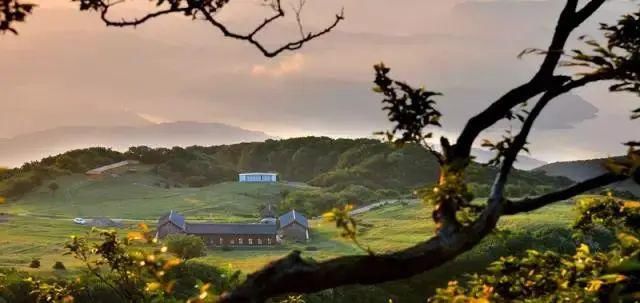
{"x":258,"y":178}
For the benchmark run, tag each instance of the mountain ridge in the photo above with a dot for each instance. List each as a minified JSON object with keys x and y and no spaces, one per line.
{"x":36,"y":145}
{"x":580,"y":170}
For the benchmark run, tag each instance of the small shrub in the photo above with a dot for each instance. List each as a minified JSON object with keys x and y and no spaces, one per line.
{"x":59,"y":266}
{"x":226,"y":248}
{"x":35,"y":263}
{"x":185,"y":246}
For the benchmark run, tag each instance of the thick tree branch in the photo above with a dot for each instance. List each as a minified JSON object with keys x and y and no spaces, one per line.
{"x":588,"y":10}
{"x":520,"y":140}
{"x":293,"y":274}
{"x":543,"y":80}
{"x":530,"y":204}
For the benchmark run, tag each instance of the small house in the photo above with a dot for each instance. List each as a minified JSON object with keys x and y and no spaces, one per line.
{"x":294,"y":226}
{"x":258,"y":177}
{"x":171,"y":223}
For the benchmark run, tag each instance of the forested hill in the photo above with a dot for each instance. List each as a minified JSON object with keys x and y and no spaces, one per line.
{"x":319,"y":161}
{"x":585,"y":169}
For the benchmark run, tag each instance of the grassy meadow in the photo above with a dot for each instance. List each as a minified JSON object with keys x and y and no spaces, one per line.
{"x":39,"y":223}
{"x":141,"y":196}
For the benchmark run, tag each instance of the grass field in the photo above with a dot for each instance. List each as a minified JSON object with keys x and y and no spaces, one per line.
{"x":388,"y":228}
{"x":135,"y":196}
{"x":39,"y":224}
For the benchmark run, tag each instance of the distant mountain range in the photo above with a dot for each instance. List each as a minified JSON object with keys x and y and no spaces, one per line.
{"x":585,"y":169}
{"x":36,"y":145}
{"x":523,"y":162}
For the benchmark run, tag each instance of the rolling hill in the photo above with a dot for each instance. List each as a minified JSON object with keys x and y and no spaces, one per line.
{"x":356,"y":171}
{"x":584,"y":169}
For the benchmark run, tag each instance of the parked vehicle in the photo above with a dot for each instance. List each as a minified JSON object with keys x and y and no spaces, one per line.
{"x":79,"y":221}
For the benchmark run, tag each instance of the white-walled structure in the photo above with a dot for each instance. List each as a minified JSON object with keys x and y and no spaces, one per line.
{"x":258,"y":177}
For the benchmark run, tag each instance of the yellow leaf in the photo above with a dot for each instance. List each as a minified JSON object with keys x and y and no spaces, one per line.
{"x":135,"y":235}
{"x":2,"y":200}
{"x":594,"y":285}
{"x":169,"y":287}
{"x":584,"y":248}
{"x":153,"y":286}
{"x":203,"y":295}
{"x":627,"y":240}
{"x":171,"y":263}
{"x":329,"y":216}
{"x":612,"y":278}
{"x":631,"y":204}
{"x":205,"y":287}
{"x":144,"y":227}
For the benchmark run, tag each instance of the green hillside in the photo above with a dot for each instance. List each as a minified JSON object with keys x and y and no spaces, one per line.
{"x":332,"y":164}
{"x":137,"y":196}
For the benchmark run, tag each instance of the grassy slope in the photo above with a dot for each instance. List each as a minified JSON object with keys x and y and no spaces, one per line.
{"x":134,"y":196}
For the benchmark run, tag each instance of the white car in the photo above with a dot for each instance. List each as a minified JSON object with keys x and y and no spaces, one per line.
{"x":79,"y":221}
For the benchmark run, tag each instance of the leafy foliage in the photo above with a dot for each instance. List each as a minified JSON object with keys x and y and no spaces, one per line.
{"x":12,"y":11}
{"x":346,"y":223}
{"x":185,"y":246}
{"x":412,"y":110}
{"x":585,"y":276}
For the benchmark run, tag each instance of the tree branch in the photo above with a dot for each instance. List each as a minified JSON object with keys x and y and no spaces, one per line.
{"x":530,"y":204}
{"x":271,"y":53}
{"x":543,"y":80}
{"x":293,"y":274}
{"x":208,"y":14}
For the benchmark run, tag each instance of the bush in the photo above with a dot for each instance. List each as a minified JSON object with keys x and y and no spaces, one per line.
{"x":35,"y":263}
{"x":197,"y":181}
{"x":185,"y":246}
{"x":188,"y":274}
{"x":59,"y":266}
{"x":15,"y":287}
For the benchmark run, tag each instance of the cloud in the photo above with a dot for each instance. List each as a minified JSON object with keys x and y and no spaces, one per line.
{"x":288,"y":65}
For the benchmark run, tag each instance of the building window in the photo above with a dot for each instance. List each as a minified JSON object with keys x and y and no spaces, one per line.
{"x":259,"y":241}
{"x":268,"y":241}
{"x":239,"y":241}
{"x":250,"y":241}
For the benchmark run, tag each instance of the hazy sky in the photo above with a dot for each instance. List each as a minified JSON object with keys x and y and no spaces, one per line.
{"x":67,"y":69}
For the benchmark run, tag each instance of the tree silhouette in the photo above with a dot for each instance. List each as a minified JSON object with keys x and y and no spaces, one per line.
{"x":15,"y":11}
{"x":414,"y":112}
